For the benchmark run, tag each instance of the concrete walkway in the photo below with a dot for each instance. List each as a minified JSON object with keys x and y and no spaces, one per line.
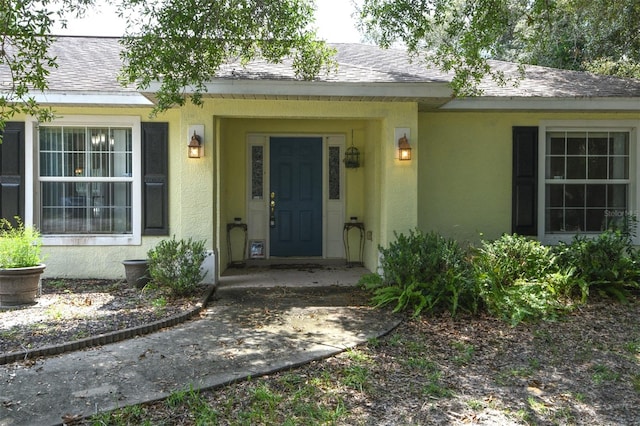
{"x":249,"y":329}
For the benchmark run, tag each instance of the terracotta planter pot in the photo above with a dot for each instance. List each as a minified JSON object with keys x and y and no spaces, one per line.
{"x":19,"y":286}
{"x":137,"y":272}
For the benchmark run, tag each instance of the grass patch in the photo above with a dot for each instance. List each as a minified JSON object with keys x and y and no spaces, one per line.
{"x":476,"y":405}
{"x":356,"y":377}
{"x":464,"y":353}
{"x":635,"y":382}
{"x":602,"y":373}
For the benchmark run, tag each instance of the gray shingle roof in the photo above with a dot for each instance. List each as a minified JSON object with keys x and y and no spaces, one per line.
{"x":357,"y":63}
{"x":91,"y":65}
{"x":550,"y":82}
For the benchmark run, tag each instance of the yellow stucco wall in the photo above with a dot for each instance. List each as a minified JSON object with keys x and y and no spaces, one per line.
{"x":465,"y":169}
{"x":203,"y":192}
{"x":186,"y":204}
{"x":459,"y":182}
{"x":366,"y":188}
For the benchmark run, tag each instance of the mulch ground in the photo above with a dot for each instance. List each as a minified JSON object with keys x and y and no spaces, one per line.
{"x":69,"y":310}
{"x":583,"y":369}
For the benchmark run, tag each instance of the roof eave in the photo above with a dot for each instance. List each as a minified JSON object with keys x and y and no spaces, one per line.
{"x":132,"y":99}
{"x":559,"y":103}
{"x":436,"y":93}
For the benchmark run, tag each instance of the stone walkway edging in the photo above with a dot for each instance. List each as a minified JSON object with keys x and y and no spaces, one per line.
{"x":111,"y":337}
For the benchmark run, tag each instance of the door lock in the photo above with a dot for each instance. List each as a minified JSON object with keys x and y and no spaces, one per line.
{"x":272,"y":205}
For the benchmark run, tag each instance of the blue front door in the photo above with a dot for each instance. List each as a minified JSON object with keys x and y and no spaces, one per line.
{"x":295,"y":199}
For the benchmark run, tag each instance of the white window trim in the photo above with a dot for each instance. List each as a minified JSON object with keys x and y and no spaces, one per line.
{"x":32,"y":193}
{"x":632,"y":126}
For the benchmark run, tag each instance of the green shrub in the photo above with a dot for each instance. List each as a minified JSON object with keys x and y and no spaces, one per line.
{"x":177,"y":264}
{"x":520,"y":279}
{"x":424,"y":272}
{"x":19,"y":245}
{"x":608,"y":262}
{"x":513,"y":277}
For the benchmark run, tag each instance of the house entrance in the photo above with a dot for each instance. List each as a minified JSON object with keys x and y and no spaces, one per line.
{"x":295,"y":196}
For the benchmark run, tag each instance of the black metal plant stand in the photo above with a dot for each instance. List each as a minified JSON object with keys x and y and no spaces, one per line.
{"x":345,"y":238}
{"x":230,"y":227}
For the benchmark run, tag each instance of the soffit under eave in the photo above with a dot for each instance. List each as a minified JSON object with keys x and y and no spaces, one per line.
{"x":546,"y":104}
{"x":423,"y":103}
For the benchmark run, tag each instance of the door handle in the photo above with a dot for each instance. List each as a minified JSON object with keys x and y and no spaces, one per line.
{"x":272,"y":205}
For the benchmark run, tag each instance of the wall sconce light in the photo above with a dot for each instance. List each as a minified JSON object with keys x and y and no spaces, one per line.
{"x":404,"y":149}
{"x":194,"y":146}
{"x":195,"y":141}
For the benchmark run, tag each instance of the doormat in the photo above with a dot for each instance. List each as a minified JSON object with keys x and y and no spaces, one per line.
{"x":298,"y":266}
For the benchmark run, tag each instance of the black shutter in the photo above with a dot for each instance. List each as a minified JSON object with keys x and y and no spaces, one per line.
{"x":155,"y":174}
{"x":12,"y":172}
{"x":524,"y":219}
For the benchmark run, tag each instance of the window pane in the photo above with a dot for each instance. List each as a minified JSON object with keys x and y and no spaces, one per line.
{"x":619,"y":168}
{"x":595,"y":220}
{"x":257,"y":171}
{"x":121,"y":140}
{"x":73,"y":164}
{"x":617,"y":196}
{"x":619,"y":143}
{"x":99,"y":139}
{"x":50,"y":164}
{"x":574,"y":220}
{"x":334,"y":173}
{"x":617,"y":219}
{"x":576,"y":143}
{"x":554,"y":220}
{"x":74,"y":139}
{"x":555,"y":168}
{"x":555,"y":194}
{"x":100,"y":165}
{"x":598,"y":143}
{"x":596,"y":195}
{"x":50,"y":139}
{"x":556,"y":144}
{"x":576,"y":168}
{"x":598,"y":167}
{"x":574,"y":195}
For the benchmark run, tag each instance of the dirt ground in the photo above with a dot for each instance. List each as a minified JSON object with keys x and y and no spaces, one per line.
{"x":583,"y":369}
{"x":69,"y":310}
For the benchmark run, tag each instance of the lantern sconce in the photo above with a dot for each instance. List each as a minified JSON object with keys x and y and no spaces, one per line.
{"x":195,"y":145}
{"x":352,"y":156}
{"x":403,"y":146}
{"x":404,"y":149}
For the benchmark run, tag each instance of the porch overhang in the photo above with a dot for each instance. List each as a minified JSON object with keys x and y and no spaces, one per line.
{"x":428,"y":95}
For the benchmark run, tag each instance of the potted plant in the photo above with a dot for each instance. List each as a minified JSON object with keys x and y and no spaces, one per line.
{"x":20,"y":263}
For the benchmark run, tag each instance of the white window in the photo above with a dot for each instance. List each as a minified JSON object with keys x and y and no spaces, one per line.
{"x":87,"y":180}
{"x":588,"y":180}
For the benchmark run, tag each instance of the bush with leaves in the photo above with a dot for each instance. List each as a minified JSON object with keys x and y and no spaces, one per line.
{"x":176,"y":264}
{"x":424,"y":272}
{"x":520,"y":279}
{"x":19,"y":245}
{"x":514,"y":278}
{"x":607,"y":263}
